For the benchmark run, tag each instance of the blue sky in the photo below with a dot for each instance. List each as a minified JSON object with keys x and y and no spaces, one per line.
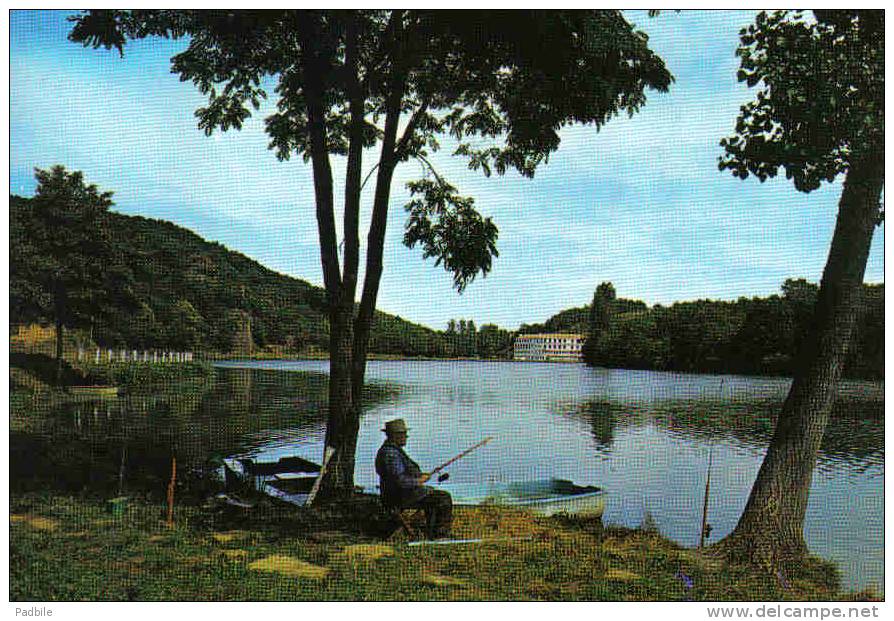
{"x":639,"y":203}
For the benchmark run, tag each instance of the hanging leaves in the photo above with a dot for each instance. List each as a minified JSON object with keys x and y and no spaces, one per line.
{"x":820,"y":99}
{"x":448,"y":228}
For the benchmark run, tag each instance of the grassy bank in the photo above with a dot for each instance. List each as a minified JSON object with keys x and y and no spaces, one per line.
{"x":72,"y":548}
{"x":32,"y":373}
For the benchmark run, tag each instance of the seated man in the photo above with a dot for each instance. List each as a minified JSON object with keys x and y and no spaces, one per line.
{"x":403,"y":483}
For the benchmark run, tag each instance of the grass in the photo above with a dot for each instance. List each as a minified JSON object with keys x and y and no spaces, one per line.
{"x":35,"y":373}
{"x":70,"y":548}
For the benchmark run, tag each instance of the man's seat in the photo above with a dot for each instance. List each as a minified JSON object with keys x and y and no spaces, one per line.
{"x":404,"y":522}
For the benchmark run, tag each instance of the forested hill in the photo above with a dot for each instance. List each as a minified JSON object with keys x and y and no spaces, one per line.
{"x":164,"y":287}
{"x":177,"y":290}
{"x":754,"y":336}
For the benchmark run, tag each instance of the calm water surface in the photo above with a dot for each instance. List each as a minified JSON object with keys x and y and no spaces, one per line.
{"x":646,"y":437}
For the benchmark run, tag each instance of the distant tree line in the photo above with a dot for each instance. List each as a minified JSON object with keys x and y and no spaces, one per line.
{"x":750,"y":336}
{"x":465,"y":340}
{"x":133,"y":282}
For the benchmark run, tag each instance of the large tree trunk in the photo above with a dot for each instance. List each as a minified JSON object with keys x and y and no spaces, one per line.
{"x":339,"y":477}
{"x":344,"y":402}
{"x":770,"y":531}
{"x":344,"y":413}
{"x":349,"y":335}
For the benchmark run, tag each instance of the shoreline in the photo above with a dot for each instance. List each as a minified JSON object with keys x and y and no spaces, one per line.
{"x":320,"y":555}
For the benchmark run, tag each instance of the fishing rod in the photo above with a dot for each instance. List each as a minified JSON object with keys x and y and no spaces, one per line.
{"x":460,"y":456}
{"x":706,"y":528}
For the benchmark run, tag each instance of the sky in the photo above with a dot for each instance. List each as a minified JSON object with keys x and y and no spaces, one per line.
{"x":639,"y":203}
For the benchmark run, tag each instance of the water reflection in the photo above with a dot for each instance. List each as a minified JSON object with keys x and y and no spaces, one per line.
{"x":114,"y":446}
{"x":645,"y":437}
{"x":854,"y":438}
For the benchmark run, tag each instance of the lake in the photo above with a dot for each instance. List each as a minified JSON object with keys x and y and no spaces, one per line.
{"x":645,"y":437}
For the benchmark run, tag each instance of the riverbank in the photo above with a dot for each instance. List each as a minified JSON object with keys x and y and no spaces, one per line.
{"x":36,"y":373}
{"x":322,"y":355}
{"x":296,"y":555}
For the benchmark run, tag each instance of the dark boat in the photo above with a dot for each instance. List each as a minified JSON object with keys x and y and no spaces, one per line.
{"x":289,"y":479}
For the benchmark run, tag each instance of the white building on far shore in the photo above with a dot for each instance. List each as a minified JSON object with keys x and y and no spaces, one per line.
{"x":548,"y":347}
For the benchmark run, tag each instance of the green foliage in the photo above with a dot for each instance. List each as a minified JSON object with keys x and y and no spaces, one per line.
{"x":396,"y":336}
{"x":866,"y":357}
{"x":43,"y":368}
{"x":577,"y":320}
{"x":65,"y":266}
{"x":495,"y":82}
{"x":602,"y":312}
{"x":465,"y":340}
{"x":633,"y":341}
{"x":494,"y":342}
{"x":141,"y":376}
{"x":750,"y":336}
{"x":449,"y":229}
{"x":820,"y":102}
{"x":191,"y":294}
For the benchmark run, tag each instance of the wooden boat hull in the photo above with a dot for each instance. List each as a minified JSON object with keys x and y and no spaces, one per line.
{"x":288,"y":480}
{"x":543,"y":497}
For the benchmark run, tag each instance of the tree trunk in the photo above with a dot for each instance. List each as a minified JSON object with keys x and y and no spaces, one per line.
{"x":59,"y":305}
{"x":343,"y":423}
{"x":349,"y":336}
{"x":770,"y":531}
{"x":339,"y":426}
{"x":344,"y":409}
{"x":59,"y":334}
{"x":376,"y":239}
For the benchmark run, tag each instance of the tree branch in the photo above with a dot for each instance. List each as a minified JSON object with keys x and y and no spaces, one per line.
{"x":311,"y":66}
{"x":355,"y":163}
{"x":376,"y":236}
{"x":428,"y":164}
{"x":411,"y":126}
{"x":368,"y":175}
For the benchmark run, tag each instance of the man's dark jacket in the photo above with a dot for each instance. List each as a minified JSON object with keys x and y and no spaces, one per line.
{"x":398,"y":477}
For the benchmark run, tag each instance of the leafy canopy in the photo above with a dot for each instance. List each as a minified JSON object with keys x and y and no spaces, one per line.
{"x":65,"y":264}
{"x":500,"y":84}
{"x":820,"y":101}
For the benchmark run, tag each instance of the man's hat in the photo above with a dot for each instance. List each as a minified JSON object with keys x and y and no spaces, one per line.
{"x":395,"y":426}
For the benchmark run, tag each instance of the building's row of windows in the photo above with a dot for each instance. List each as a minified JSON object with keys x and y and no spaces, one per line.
{"x":548,"y":347}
